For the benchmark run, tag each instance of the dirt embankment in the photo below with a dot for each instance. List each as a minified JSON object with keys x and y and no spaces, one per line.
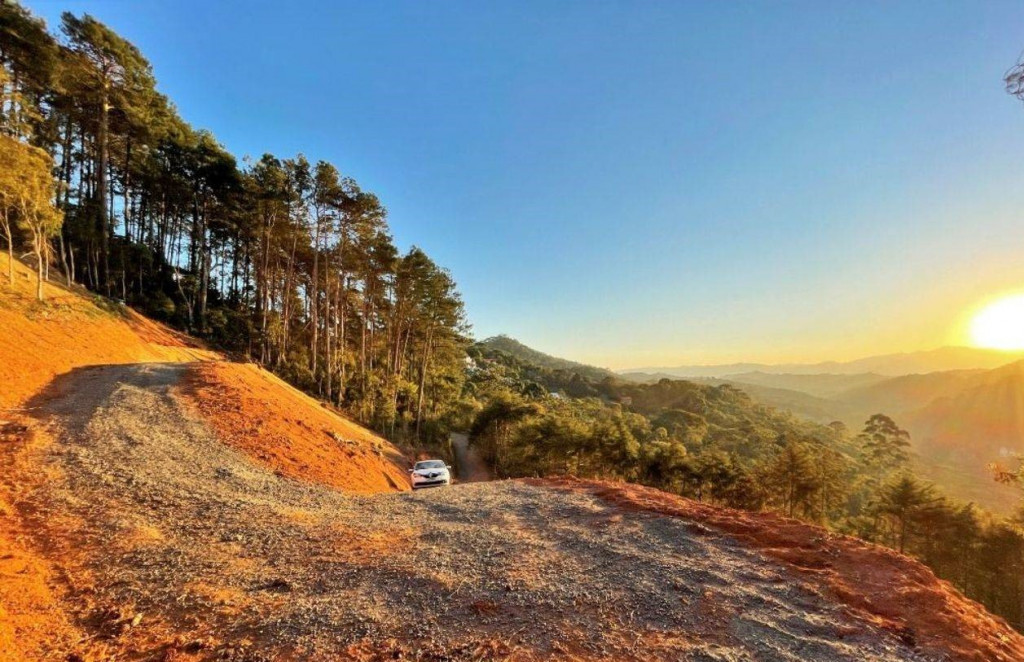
{"x":73,"y":328}
{"x":291,"y":433}
{"x":48,"y":348}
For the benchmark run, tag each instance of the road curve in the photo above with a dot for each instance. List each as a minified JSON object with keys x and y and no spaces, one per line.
{"x":177,"y":540}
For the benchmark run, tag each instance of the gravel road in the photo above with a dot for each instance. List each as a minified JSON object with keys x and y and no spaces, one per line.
{"x":183,"y":534}
{"x":470,"y":465}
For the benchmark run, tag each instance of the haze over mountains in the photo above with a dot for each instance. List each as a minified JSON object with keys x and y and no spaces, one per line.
{"x":960,"y":421}
{"x":891,"y":365}
{"x":964,"y":407}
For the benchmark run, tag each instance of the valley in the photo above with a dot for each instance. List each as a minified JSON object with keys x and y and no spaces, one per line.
{"x":959,"y":421}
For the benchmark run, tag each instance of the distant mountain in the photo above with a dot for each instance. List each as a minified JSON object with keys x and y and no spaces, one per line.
{"x":647,"y":377}
{"x":891,"y":365}
{"x":898,"y":396}
{"x":819,"y":385}
{"x":800,"y":403}
{"x":985,"y":419}
{"x":959,"y":420}
{"x":852,"y":398}
{"x":527,"y":354}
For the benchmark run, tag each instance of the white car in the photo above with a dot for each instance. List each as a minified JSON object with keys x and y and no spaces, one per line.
{"x":430,"y":473}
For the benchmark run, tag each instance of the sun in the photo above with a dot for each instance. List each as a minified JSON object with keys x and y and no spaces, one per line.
{"x":1000,"y":324}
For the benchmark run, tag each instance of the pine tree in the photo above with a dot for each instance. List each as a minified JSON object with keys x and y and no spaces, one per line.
{"x":884,"y":444}
{"x":903,"y":501}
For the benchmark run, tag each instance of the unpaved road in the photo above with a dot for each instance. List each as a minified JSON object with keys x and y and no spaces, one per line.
{"x":194,"y":539}
{"x":470,"y":465}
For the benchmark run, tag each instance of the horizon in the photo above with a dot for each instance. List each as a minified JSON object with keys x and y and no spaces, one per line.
{"x":695,"y":184}
{"x":1011,"y":355}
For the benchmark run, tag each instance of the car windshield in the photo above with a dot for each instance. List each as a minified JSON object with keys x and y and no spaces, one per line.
{"x":430,"y":464}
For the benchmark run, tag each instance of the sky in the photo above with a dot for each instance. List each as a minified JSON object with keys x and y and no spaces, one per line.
{"x":636,"y":184}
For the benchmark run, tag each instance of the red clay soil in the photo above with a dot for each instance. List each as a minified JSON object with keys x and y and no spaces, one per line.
{"x":37,"y":342}
{"x":290,"y":432}
{"x":877,"y":584}
{"x":32,"y":616}
{"x":72,"y":328}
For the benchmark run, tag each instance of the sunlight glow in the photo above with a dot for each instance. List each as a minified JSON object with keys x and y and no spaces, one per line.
{"x":1000,"y":325}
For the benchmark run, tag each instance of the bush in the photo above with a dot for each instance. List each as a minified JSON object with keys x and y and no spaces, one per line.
{"x":160,"y":306}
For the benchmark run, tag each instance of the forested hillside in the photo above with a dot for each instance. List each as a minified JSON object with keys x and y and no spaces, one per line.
{"x":714,"y":443}
{"x":961,"y":421}
{"x":285,"y":260}
{"x":532,"y":357}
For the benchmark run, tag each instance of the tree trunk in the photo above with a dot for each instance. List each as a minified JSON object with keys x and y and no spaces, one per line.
{"x":314,"y":298}
{"x":127,"y":187}
{"x":10,"y":245}
{"x":204,"y":270}
{"x":423,"y":381}
{"x":101,"y":188}
{"x":328,"y":366}
{"x":38,"y":243}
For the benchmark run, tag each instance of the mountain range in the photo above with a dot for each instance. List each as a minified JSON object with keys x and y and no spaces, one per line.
{"x":960,"y":421}
{"x":963,"y":407}
{"x":888,"y":365}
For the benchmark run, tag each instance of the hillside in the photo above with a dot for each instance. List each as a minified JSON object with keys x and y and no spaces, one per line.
{"x":79,"y":344}
{"x":825,"y":385}
{"x":852,"y":398}
{"x":984,"y":419}
{"x":73,"y":328}
{"x":75,"y":332}
{"x":960,"y":420}
{"x":514,"y":348}
{"x":807,"y":406}
{"x":908,"y":393}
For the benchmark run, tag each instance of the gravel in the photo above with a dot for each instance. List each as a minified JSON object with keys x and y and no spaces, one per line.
{"x":188,"y":535}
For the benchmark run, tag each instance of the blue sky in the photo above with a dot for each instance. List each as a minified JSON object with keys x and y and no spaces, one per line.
{"x":644,"y":183}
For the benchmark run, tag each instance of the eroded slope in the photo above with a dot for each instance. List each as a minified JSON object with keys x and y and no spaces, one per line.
{"x":289,"y":432}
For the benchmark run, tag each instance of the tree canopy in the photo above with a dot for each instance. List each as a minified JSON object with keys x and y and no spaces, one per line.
{"x":287,"y":261}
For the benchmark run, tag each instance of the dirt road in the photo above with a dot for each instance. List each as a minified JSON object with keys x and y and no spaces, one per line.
{"x":176,"y":542}
{"x":470,"y":466}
